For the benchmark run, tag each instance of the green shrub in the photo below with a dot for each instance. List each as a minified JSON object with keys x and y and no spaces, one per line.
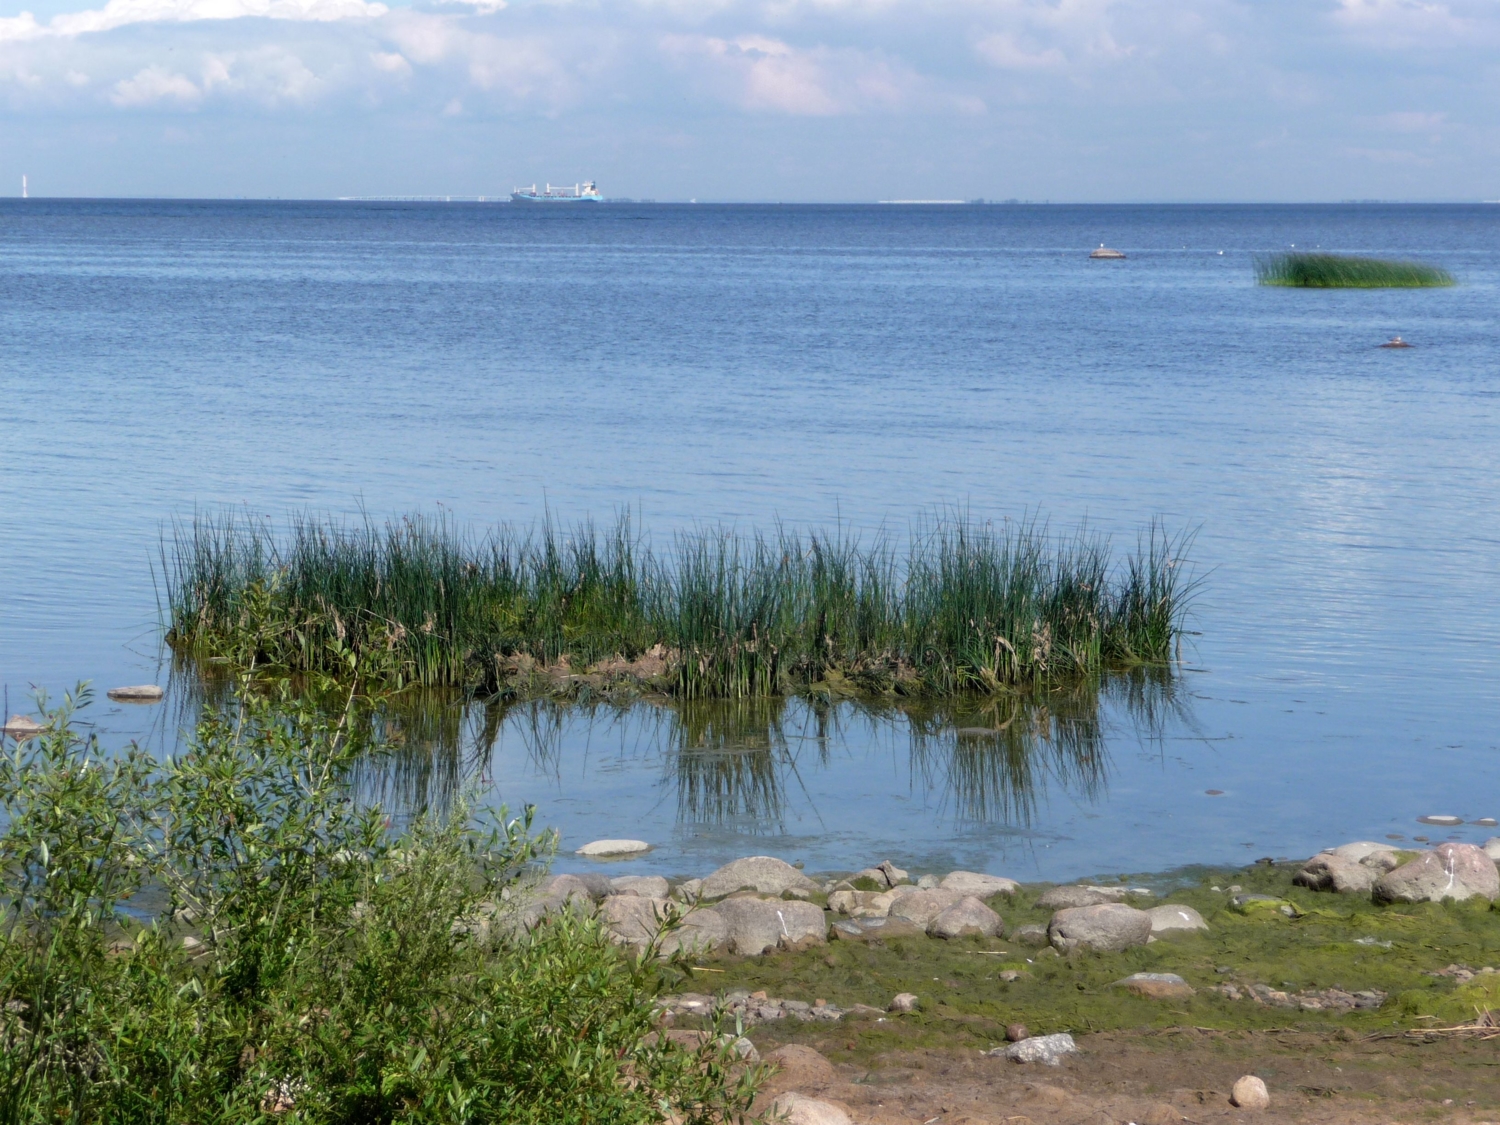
{"x":231,"y":936}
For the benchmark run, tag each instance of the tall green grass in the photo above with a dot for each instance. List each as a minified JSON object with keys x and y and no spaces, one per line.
{"x":1345,"y":271}
{"x":961,"y":606}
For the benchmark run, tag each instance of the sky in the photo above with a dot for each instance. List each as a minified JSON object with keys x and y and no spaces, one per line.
{"x":778,"y":100}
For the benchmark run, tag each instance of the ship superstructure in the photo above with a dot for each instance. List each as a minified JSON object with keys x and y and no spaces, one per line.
{"x":586,"y":192}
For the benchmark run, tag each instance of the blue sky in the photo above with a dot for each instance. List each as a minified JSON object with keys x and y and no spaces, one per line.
{"x":1066,"y":100}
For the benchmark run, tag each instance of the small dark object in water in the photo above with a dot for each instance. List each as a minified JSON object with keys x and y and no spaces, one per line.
{"x":1395,"y":342}
{"x":1015,"y":1032}
{"x":1214,"y":792}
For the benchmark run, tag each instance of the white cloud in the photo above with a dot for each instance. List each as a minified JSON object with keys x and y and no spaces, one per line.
{"x":759,"y":72}
{"x":122,"y":13}
{"x":153,"y":85}
{"x":1003,"y":51}
{"x":1412,"y":122}
{"x":391,"y":62}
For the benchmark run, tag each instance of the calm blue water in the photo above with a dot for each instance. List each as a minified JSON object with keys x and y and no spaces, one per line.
{"x":741,"y":364}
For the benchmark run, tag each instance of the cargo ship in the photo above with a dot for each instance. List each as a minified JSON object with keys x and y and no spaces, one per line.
{"x":586,"y":192}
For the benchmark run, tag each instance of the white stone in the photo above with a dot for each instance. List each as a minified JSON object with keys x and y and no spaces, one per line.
{"x":139,"y":693}
{"x":903,"y":1002}
{"x":600,"y":849}
{"x":1250,"y":1093}
{"x":1046,"y":1049}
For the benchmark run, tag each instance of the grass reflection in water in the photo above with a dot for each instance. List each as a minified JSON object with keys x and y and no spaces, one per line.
{"x":741,"y":764}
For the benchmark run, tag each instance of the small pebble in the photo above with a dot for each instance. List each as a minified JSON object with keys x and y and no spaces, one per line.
{"x":1015,"y":1032}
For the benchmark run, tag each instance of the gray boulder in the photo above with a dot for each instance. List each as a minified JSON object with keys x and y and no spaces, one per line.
{"x":1492,"y":848}
{"x":968,"y":917}
{"x":980,"y":886}
{"x":929,"y":883}
{"x":646,"y":886}
{"x":1175,"y":919}
{"x":635,"y":921}
{"x":1106,"y":927}
{"x":1456,"y":871}
{"x":764,"y":874}
{"x":1329,"y":872}
{"x":753,"y":926}
{"x":921,"y":907}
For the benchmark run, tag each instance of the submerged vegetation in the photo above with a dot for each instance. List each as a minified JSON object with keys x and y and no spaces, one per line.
{"x":229,"y":936}
{"x":962,"y":607}
{"x":1345,"y":271}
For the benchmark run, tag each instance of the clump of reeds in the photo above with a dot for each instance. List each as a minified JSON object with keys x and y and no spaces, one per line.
{"x":961,"y":606}
{"x":1347,"y":271}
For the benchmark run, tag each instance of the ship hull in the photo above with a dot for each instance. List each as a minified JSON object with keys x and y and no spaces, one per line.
{"x":524,"y":197}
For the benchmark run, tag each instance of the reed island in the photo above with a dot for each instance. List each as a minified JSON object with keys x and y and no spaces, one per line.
{"x":958,"y":606}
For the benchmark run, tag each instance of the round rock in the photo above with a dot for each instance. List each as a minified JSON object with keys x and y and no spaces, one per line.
{"x":797,"y":1065}
{"x":1172,"y":919}
{"x":1250,"y":1093}
{"x":1441,"y":820}
{"x":603,"y":849}
{"x":968,"y":917}
{"x":903,"y":1002}
{"x":1456,"y":871}
{"x":1107,"y":928}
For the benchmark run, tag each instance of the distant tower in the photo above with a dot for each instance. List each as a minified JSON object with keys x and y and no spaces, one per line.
{"x":23,"y":186}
